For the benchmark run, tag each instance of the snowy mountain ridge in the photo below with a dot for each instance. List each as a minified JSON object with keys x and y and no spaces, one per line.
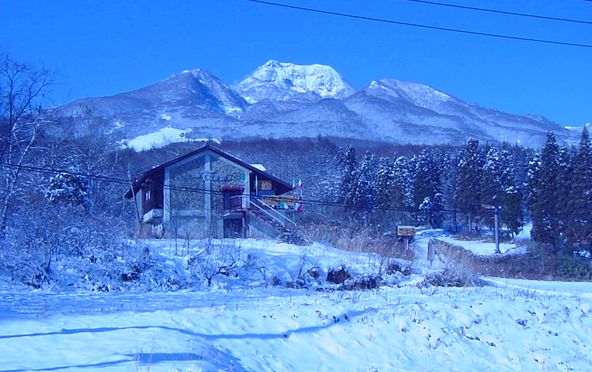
{"x":285,"y":100}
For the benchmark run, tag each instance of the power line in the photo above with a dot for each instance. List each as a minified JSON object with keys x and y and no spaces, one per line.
{"x":418,"y":25}
{"x":501,"y":11}
{"x":121,"y":181}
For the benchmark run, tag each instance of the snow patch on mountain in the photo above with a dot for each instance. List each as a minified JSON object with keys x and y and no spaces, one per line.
{"x":286,"y":81}
{"x":160,"y":139}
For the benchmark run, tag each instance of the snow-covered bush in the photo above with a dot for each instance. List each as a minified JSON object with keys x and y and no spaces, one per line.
{"x":451,"y":277}
{"x":68,"y":188}
{"x":361,"y":283}
{"x":338,"y":276}
{"x":222,"y":261}
{"x":305,"y":274}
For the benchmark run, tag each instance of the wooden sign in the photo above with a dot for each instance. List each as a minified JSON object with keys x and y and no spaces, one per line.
{"x":405,"y":230}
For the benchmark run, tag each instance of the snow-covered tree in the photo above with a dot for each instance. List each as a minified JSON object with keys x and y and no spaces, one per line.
{"x":364,"y":192}
{"x":22,"y":94}
{"x":579,"y":202}
{"x":467,"y":197}
{"x":491,"y":185}
{"x":511,"y":198}
{"x":544,"y":186}
{"x":401,"y":186}
{"x":383,"y":189}
{"x":426,"y":181}
{"x":348,"y":169}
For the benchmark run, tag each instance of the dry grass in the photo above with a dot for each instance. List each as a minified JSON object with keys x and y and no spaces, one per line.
{"x":365,"y":239}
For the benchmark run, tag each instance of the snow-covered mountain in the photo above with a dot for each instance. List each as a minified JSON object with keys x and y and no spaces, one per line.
{"x":277,"y":81}
{"x":284,"y":100}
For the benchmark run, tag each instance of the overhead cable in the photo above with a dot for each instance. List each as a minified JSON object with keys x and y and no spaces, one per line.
{"x":418,"y":25}
{"x":501,"y":11}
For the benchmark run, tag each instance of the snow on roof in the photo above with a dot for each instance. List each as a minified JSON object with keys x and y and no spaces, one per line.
{"x":261,"y":167}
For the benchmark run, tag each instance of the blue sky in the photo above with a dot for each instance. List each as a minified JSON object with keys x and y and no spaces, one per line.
{"x":102,"y":48}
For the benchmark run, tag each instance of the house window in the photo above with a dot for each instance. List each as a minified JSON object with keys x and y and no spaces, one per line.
{"x":265,"y":185}
{"x":147,"y":193}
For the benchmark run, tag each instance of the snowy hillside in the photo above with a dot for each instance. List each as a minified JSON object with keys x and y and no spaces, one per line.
{"x":243,"y":324}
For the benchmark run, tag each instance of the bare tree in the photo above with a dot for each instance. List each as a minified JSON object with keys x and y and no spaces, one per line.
{"x":23,"y":90}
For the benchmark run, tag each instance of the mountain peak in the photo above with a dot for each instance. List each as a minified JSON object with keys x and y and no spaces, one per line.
{"x":288,"y":81}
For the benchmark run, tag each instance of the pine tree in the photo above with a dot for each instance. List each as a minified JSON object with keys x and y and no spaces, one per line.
{"x":401,"y":191}
{"x":348,"y":165}
{"x":401,"y":185}
{"x":383,"y":189}
{"x":491,"y":184}
{"x":449,"y":163}
{"x":426,"y":181}
{"x":565,"y":173}
{"x":543,"y":201}
{"x":437,"y":217}
{"x":364,"y":192}
{"x":580,"y":195}
{"x":467,"y":197}
{"x":511,"y":198}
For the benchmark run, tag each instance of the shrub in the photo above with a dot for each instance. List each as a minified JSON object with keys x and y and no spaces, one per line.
{"x":574,"y":267}
{"x":366,"y":282}
{"x":338,"y":276}
{"x":450,"y":277}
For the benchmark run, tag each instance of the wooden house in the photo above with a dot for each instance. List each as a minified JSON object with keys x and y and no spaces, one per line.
{"x":210,"y":193}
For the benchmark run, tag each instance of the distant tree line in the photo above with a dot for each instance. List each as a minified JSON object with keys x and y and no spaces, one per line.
{"x":460,"y":189}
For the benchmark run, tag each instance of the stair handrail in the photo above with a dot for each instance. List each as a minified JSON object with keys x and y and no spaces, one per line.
{"x":271,"y":212}
{"x":280,"y":215}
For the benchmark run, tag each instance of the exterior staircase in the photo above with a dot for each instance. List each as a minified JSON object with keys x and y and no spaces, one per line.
{"x":273,"y":223}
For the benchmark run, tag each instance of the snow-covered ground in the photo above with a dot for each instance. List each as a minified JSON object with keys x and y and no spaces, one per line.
{"x":484,"y":247}
{"x":507,"y":325}
{"x":487,"y":247}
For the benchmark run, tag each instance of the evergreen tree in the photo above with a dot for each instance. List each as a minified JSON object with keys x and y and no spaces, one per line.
{"x":491,"y":185}
{"x":437,"y":211}
{"x":543,"y":201}
{"x":426,"y":181}
{"x":533,"y":175}
{"x":364,"y":192}
{"x":563,"y":211}
{"x":467,"y":197}
{"x":348,"y":165}
{"x":449,"y":163}
{"x":511,"y":198}
{"x":401,"y":184}
{"x":382,"y":188}
{"x":580,"y":196}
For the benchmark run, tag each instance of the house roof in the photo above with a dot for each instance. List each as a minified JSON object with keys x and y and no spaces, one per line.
{"x":137,"y":184}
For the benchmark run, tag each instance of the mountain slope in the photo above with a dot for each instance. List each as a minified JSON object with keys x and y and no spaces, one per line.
{"x":284,"y":100}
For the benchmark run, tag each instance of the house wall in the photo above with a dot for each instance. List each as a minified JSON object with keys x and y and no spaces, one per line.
{"x":199,"y":212}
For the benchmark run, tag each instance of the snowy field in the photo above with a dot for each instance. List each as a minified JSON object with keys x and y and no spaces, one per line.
{"x":507,"y":325}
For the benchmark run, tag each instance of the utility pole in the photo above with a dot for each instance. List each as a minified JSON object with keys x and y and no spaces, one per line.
{"x":496,"y":210}
{"x":496,"y":226}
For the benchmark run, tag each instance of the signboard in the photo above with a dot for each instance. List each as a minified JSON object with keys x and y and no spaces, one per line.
{"x":405,"y":230}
